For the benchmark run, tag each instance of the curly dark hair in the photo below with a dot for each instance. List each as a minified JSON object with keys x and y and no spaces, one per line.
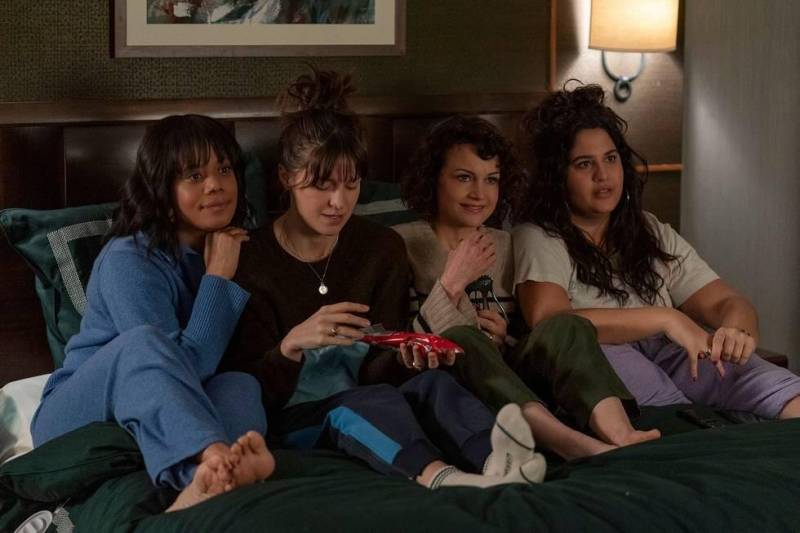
{"x":420,"y":182}
{"x":631,"y":246}
{"x":170,"y":146}
{"x":319,"y":129}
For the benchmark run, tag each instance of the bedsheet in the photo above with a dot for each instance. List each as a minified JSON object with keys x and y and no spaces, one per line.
{"x":736,"y":478}
{"x":18,"y":403}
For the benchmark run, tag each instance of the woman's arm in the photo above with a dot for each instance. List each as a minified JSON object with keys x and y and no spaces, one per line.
{"x":733,"y":317}
{"x":137,"y":292}
{"x":541,"y":300}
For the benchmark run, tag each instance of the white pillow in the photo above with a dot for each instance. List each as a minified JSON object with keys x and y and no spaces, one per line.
{"x":18,"y":403}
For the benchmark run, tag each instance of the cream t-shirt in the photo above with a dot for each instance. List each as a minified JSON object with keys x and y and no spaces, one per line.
{"x":540,"y":257}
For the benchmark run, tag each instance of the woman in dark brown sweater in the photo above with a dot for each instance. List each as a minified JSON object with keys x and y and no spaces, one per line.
{"x":317,"y":277}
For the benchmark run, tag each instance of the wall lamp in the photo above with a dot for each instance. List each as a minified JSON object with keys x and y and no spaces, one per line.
{"x":632,"y":26}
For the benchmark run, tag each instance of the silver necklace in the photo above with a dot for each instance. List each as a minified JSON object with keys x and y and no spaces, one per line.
{"x":322,"y":289}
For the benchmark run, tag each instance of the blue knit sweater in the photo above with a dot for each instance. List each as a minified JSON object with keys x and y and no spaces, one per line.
{"x":130,"y":287}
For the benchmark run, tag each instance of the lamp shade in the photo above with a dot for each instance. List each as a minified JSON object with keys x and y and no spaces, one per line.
{"x":634,"y":25}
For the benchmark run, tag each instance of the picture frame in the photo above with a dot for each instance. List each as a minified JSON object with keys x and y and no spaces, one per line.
{"x":242,"y":28}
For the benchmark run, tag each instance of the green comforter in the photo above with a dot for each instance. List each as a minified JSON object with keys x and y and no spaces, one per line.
{"x":737,"y":478}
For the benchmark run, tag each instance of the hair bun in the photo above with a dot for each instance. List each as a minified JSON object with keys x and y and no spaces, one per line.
{"x":322,"y":90}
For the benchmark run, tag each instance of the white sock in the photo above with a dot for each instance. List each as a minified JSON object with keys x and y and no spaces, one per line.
{"x":513,"y":455}
{"x":512,"y":459}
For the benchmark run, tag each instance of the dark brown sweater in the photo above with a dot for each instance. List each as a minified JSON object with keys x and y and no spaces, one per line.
{"x":368,"y":265}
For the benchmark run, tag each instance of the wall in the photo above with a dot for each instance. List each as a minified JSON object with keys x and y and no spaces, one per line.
{"x":654,"y":109}
{"x":52,"y":49}
{"x":741,"y":189}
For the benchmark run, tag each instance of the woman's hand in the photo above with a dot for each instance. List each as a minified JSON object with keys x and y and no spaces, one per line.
{"x":222,"y":249}
{"x":414,"y":356}
{"x":330,"y":325}
{"x":733,"y":345}
{"x":471,"y":259}
{"x":695,"y":340}
{"x":493,"y":324}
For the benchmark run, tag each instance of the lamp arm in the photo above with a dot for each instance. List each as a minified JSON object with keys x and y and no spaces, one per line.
{"x":622,"y":84}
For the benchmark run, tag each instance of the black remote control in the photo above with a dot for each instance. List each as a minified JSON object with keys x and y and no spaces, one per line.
{"x":703,"y":421}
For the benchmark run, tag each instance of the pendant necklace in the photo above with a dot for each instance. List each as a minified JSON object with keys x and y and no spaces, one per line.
{"x":322,"y":289}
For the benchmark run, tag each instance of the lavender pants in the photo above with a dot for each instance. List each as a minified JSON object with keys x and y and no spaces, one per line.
{"x":656,"y":371}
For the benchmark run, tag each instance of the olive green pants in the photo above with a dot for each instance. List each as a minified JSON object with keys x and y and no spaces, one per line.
{"x":560,"y":359}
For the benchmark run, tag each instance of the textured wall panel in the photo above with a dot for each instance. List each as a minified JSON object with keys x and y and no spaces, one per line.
{"x":52,"y":49}
{"x":742,"y":181}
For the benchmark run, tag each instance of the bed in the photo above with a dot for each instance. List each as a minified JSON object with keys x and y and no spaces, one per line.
{"x":61,"y":165}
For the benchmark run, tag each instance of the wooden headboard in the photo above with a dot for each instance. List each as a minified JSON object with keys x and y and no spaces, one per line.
{"x":55,"y":155}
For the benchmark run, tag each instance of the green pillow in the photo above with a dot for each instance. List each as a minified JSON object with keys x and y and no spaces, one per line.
{"x":380,"y":201}
{"x":60,"y":246}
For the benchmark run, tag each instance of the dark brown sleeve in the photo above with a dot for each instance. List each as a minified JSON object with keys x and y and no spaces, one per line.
{"x":389,"y":306}
{"x":390,"y":301}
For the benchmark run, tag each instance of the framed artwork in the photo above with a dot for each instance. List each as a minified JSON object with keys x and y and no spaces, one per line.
{"x":190,"y":28}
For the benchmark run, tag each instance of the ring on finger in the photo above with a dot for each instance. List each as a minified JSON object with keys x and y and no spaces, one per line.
{"x":334,"y":331}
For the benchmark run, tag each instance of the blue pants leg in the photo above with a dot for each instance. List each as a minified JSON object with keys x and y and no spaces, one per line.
{"x":452,"y":417}
{"x":237,"y":398}
{"x":142,"y":381}
{"x":372,"y":423}
{"x":378,"y":424}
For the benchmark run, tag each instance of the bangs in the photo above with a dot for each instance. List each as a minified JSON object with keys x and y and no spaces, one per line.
{"x":325,"y":160}
{"x":193,"y":139}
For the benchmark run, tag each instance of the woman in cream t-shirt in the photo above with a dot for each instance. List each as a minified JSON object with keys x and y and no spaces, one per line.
{"x":586,"y":246}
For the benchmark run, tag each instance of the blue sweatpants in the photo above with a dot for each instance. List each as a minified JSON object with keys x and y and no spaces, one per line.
{"x":143,"y":381}
{"x":389,"y":427}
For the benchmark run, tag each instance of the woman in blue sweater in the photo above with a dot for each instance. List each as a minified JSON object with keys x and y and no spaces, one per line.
{"x":160,"y":310}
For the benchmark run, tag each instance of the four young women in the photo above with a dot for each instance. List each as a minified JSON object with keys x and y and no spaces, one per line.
{"x":587,"y":262}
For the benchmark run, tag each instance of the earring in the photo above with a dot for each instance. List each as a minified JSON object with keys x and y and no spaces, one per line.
{"x":628,"y":196}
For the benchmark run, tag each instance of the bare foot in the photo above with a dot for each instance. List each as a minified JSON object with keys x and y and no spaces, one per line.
{"x":212,"y":477}
{"x":611,"y":424}
{"x":593,"y":447}
{"x":636,"y":436}
{"x":254,"y":461}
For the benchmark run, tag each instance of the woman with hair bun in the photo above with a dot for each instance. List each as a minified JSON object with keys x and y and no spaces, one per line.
{"x":587,"y":246}
{"x":318,"y":276}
